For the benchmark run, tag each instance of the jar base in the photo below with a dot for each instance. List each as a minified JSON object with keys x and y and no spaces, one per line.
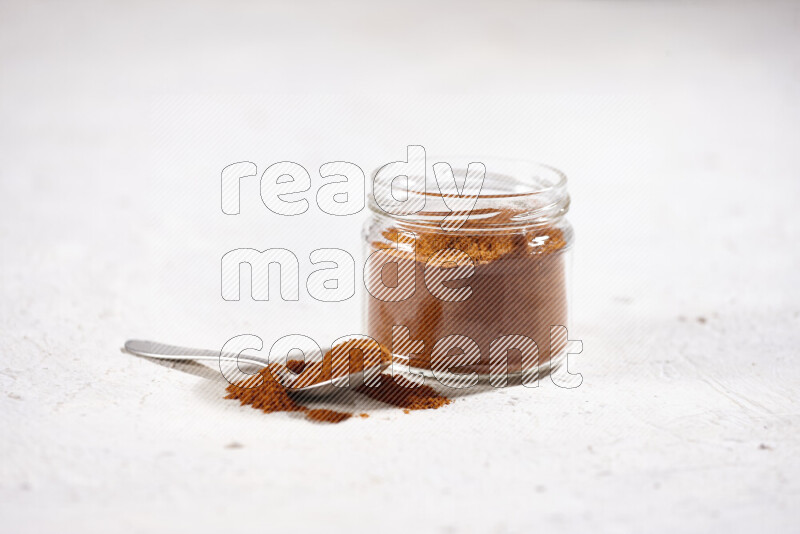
{"x":401,"y":365}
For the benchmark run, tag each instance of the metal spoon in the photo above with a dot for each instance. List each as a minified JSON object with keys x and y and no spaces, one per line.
{"x":161,"y":351}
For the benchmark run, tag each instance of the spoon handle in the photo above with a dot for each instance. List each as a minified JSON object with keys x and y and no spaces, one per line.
{"x":151,"y":349}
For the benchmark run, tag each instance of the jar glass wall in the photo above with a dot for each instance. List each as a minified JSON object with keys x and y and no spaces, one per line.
{"x":476,"y":295}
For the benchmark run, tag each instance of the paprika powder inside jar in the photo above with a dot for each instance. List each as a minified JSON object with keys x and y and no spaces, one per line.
{"x":455,"y":292}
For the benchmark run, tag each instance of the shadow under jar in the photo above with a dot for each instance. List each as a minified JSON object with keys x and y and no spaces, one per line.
{"x":480,"y":293}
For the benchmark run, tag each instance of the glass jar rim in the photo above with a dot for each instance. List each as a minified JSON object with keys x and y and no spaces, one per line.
{"x":560,"y":178}
{"x":536,"y":191}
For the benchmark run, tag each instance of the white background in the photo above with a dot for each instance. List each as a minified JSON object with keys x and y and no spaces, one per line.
{"x":677,"y":124}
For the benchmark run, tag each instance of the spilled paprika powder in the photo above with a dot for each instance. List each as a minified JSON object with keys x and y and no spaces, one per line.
{"x":264,"y":391}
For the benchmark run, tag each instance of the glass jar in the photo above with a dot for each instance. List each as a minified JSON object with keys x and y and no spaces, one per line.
{"x":470,"y":292}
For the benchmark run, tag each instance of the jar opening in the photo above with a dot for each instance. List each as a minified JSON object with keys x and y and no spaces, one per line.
{"x":513,"y":193}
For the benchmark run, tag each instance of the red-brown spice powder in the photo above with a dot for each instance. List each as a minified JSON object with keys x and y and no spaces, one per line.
{"x":264,"y":392}
{"x":518,"y":281}
{"x":518,"y":287}
{"x":400,"y":392}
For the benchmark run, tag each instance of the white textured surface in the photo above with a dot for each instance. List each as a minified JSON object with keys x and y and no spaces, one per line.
{"x":678,"y":125}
